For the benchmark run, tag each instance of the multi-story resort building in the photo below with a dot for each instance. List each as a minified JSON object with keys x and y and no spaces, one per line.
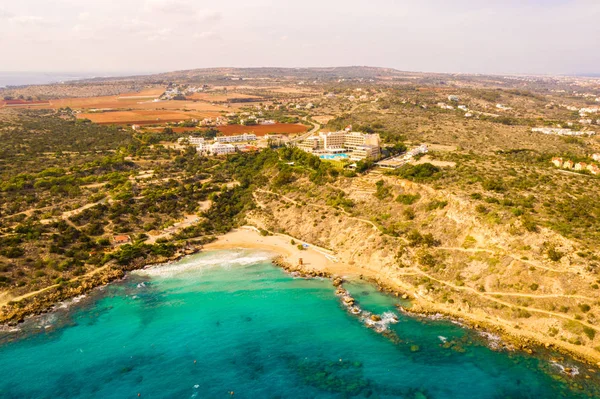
{"x":220,"y":146}
{"x":236,"y":139}
{"x":353,"y":145}
{"x":216,"y":148}
{"x":196,"y":141}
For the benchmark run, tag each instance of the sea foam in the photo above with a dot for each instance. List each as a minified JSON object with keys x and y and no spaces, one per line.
{"x":572,"y":370}
{"x":382,"y":325}
{"x":223,"y":259}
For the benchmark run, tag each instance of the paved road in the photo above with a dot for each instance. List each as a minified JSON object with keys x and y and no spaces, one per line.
{"x":309,"y":133}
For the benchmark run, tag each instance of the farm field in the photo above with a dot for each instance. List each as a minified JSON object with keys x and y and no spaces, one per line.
{"x":143,"y":100}
{"x":261,"y":130}
{"x":219,"y":97}
{"x":22,"y":103}
{"x":201,"y":108}
{"x":126,"y":100}
{"x":142,"y":107}
{"x":144,"y":116}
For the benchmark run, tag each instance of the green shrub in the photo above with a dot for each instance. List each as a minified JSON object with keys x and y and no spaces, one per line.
{"x":408,"y":199}
{"x":554,"y":254}
{"x":534,"y":287}
{"x":419,"y":173}
{"x":590,"y":332}
{"x":496,"y":185}
{"x":436,"y":204}
{"x":584,"y":307}
{"x":481,"y":209}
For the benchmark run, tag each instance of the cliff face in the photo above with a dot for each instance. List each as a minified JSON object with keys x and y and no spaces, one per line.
{"x":450,"y":258}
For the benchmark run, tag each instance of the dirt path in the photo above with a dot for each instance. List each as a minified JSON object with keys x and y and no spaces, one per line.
{"x":66,"y":215}
{"x":293,"y":201}
{"x":508,"y":304}
{"x":4,"y":301}
{"x":514,"y":258}
{"x":189,"y":220}
{"x":5,"y":297}
{"x":27,"y":212}
{"x":540,"y":296}
{"x":486,"y":295}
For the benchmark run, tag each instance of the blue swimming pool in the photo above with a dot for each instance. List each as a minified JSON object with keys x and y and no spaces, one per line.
{"x":334,"y":156}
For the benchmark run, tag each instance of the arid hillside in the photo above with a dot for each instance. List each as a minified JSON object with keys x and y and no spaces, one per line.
{"x":449,"y":257}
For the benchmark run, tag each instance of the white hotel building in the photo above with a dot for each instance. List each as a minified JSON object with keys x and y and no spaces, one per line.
{"x":236,"y":139}
{"x":216,"y":148}
{"x":357,"y":145}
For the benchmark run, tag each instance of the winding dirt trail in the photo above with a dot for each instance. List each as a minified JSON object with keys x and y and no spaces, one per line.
{"x":490,"y":296}
{"x":487,"y":296}
{"x":514,"y":258}
{"x":4,"y":301}
{"x":67,"y":214}
{"x":293,"y":201}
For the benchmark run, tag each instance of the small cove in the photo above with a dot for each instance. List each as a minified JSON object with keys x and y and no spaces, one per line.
{"x":229,"y":321}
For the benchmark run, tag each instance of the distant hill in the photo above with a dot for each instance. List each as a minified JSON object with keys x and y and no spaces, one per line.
{"x":322,"y":74}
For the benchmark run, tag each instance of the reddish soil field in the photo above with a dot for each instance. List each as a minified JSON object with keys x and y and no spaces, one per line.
{"x":22,"y":103}
{"x":261,"y":130}
{"x":131,"y":102}
{"x":141,"y":122}
{"x":230,"y":130}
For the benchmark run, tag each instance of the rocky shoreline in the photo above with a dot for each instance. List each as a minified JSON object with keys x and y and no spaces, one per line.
{"x":45,"y":302}
{"x":16,"y":312}
{"x":505,"y":341}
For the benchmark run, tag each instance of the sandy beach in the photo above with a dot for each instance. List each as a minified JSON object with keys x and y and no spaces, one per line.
{"x":313,"y":257}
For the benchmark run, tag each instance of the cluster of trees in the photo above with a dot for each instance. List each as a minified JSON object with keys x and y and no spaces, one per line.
{"x":129,"y":252}
{"x":425,"y":172}
{"x":35,"y":134}
{"x":383,"y":190}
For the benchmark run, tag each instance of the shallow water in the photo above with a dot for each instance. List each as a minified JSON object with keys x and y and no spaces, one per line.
{"x":229,"y":321}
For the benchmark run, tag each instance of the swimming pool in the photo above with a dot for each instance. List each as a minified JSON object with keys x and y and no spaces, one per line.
{"x":334,"y":156}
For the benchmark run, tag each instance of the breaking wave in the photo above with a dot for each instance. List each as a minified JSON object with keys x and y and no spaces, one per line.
{"x":223,"y":259}
{"x":572,"y":371}
{"x":494,"y":341}
{"x":383,"y":323}
{"x":66,"y":304}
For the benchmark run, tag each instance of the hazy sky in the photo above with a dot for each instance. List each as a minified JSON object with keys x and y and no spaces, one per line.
{"x":486,"y":36}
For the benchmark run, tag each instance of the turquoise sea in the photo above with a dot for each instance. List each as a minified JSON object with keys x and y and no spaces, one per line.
{"x":229,"y":324}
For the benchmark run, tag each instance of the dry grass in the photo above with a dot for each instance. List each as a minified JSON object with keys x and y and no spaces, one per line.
{"x":143,"y":116}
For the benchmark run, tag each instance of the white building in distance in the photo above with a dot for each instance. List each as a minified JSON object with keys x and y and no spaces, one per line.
{"x":236,"y":139}
{"x":191,"y":140}
{"x":196,"y":140}
{"x":561,"y":132}
{"x":216,"y":149}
